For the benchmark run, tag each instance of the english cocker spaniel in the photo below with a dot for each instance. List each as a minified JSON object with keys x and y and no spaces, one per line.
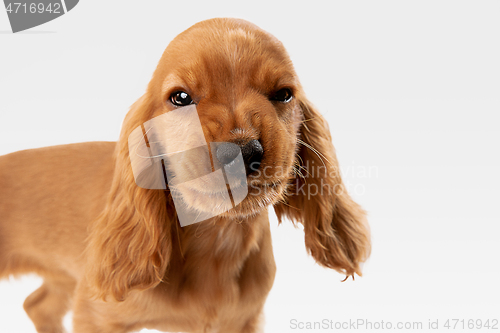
{"x":107,"y":238}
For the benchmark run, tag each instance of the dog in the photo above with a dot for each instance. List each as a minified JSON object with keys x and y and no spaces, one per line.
{"x":115,"y":253}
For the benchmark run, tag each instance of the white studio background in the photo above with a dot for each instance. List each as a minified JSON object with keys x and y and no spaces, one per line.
{"x":411,"y":90}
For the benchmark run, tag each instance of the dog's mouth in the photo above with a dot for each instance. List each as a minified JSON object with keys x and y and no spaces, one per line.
{"x":200,"y":193}
{"x":226,"y":200}
{"x":217,"y":191}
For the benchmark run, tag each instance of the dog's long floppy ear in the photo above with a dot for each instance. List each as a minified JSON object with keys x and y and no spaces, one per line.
{"x":336,"y":230}
{"x":129,"y":243}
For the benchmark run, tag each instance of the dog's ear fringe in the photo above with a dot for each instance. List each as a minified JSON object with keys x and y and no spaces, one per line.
{"x":129,"y":243}
{"x":336,"y":230}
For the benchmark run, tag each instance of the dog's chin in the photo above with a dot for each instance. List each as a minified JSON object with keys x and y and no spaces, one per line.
{"x":219,"y":203}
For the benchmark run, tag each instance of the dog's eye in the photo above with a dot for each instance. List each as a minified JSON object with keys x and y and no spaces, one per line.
{"x":180,"y":98}
{"x":283,"y":95}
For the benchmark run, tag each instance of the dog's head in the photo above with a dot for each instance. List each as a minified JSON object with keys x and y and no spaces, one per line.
{"x":246,"y":94}
{"x":249,"y":101}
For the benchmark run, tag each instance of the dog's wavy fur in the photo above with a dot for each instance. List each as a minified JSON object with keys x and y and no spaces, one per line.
{"x":115,"y":253}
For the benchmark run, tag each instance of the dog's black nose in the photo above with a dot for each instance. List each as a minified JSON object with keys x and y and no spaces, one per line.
{"x":252,"y":155}
{"x":226,"y":152}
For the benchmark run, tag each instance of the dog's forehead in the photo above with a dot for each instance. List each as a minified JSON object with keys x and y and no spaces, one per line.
{"x":234,"y":54}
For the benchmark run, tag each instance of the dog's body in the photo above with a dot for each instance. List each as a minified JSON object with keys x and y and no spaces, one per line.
{"x":115,"y":253}
{"x":53,"y":248}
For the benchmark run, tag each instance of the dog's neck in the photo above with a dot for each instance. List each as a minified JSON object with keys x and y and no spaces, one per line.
{"x":214,"y":250}
{"x":222,"y":239}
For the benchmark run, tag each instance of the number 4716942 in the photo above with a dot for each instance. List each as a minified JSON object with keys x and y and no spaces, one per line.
{"x":471,"y":324}
{"x":33,"y":8}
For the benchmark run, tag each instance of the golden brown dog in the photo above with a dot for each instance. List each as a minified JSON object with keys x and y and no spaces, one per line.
{"x":114,"y":252}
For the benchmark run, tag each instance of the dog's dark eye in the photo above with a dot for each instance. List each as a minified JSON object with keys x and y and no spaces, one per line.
{"x":283,"y":95}
{"x":180,"y":98}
